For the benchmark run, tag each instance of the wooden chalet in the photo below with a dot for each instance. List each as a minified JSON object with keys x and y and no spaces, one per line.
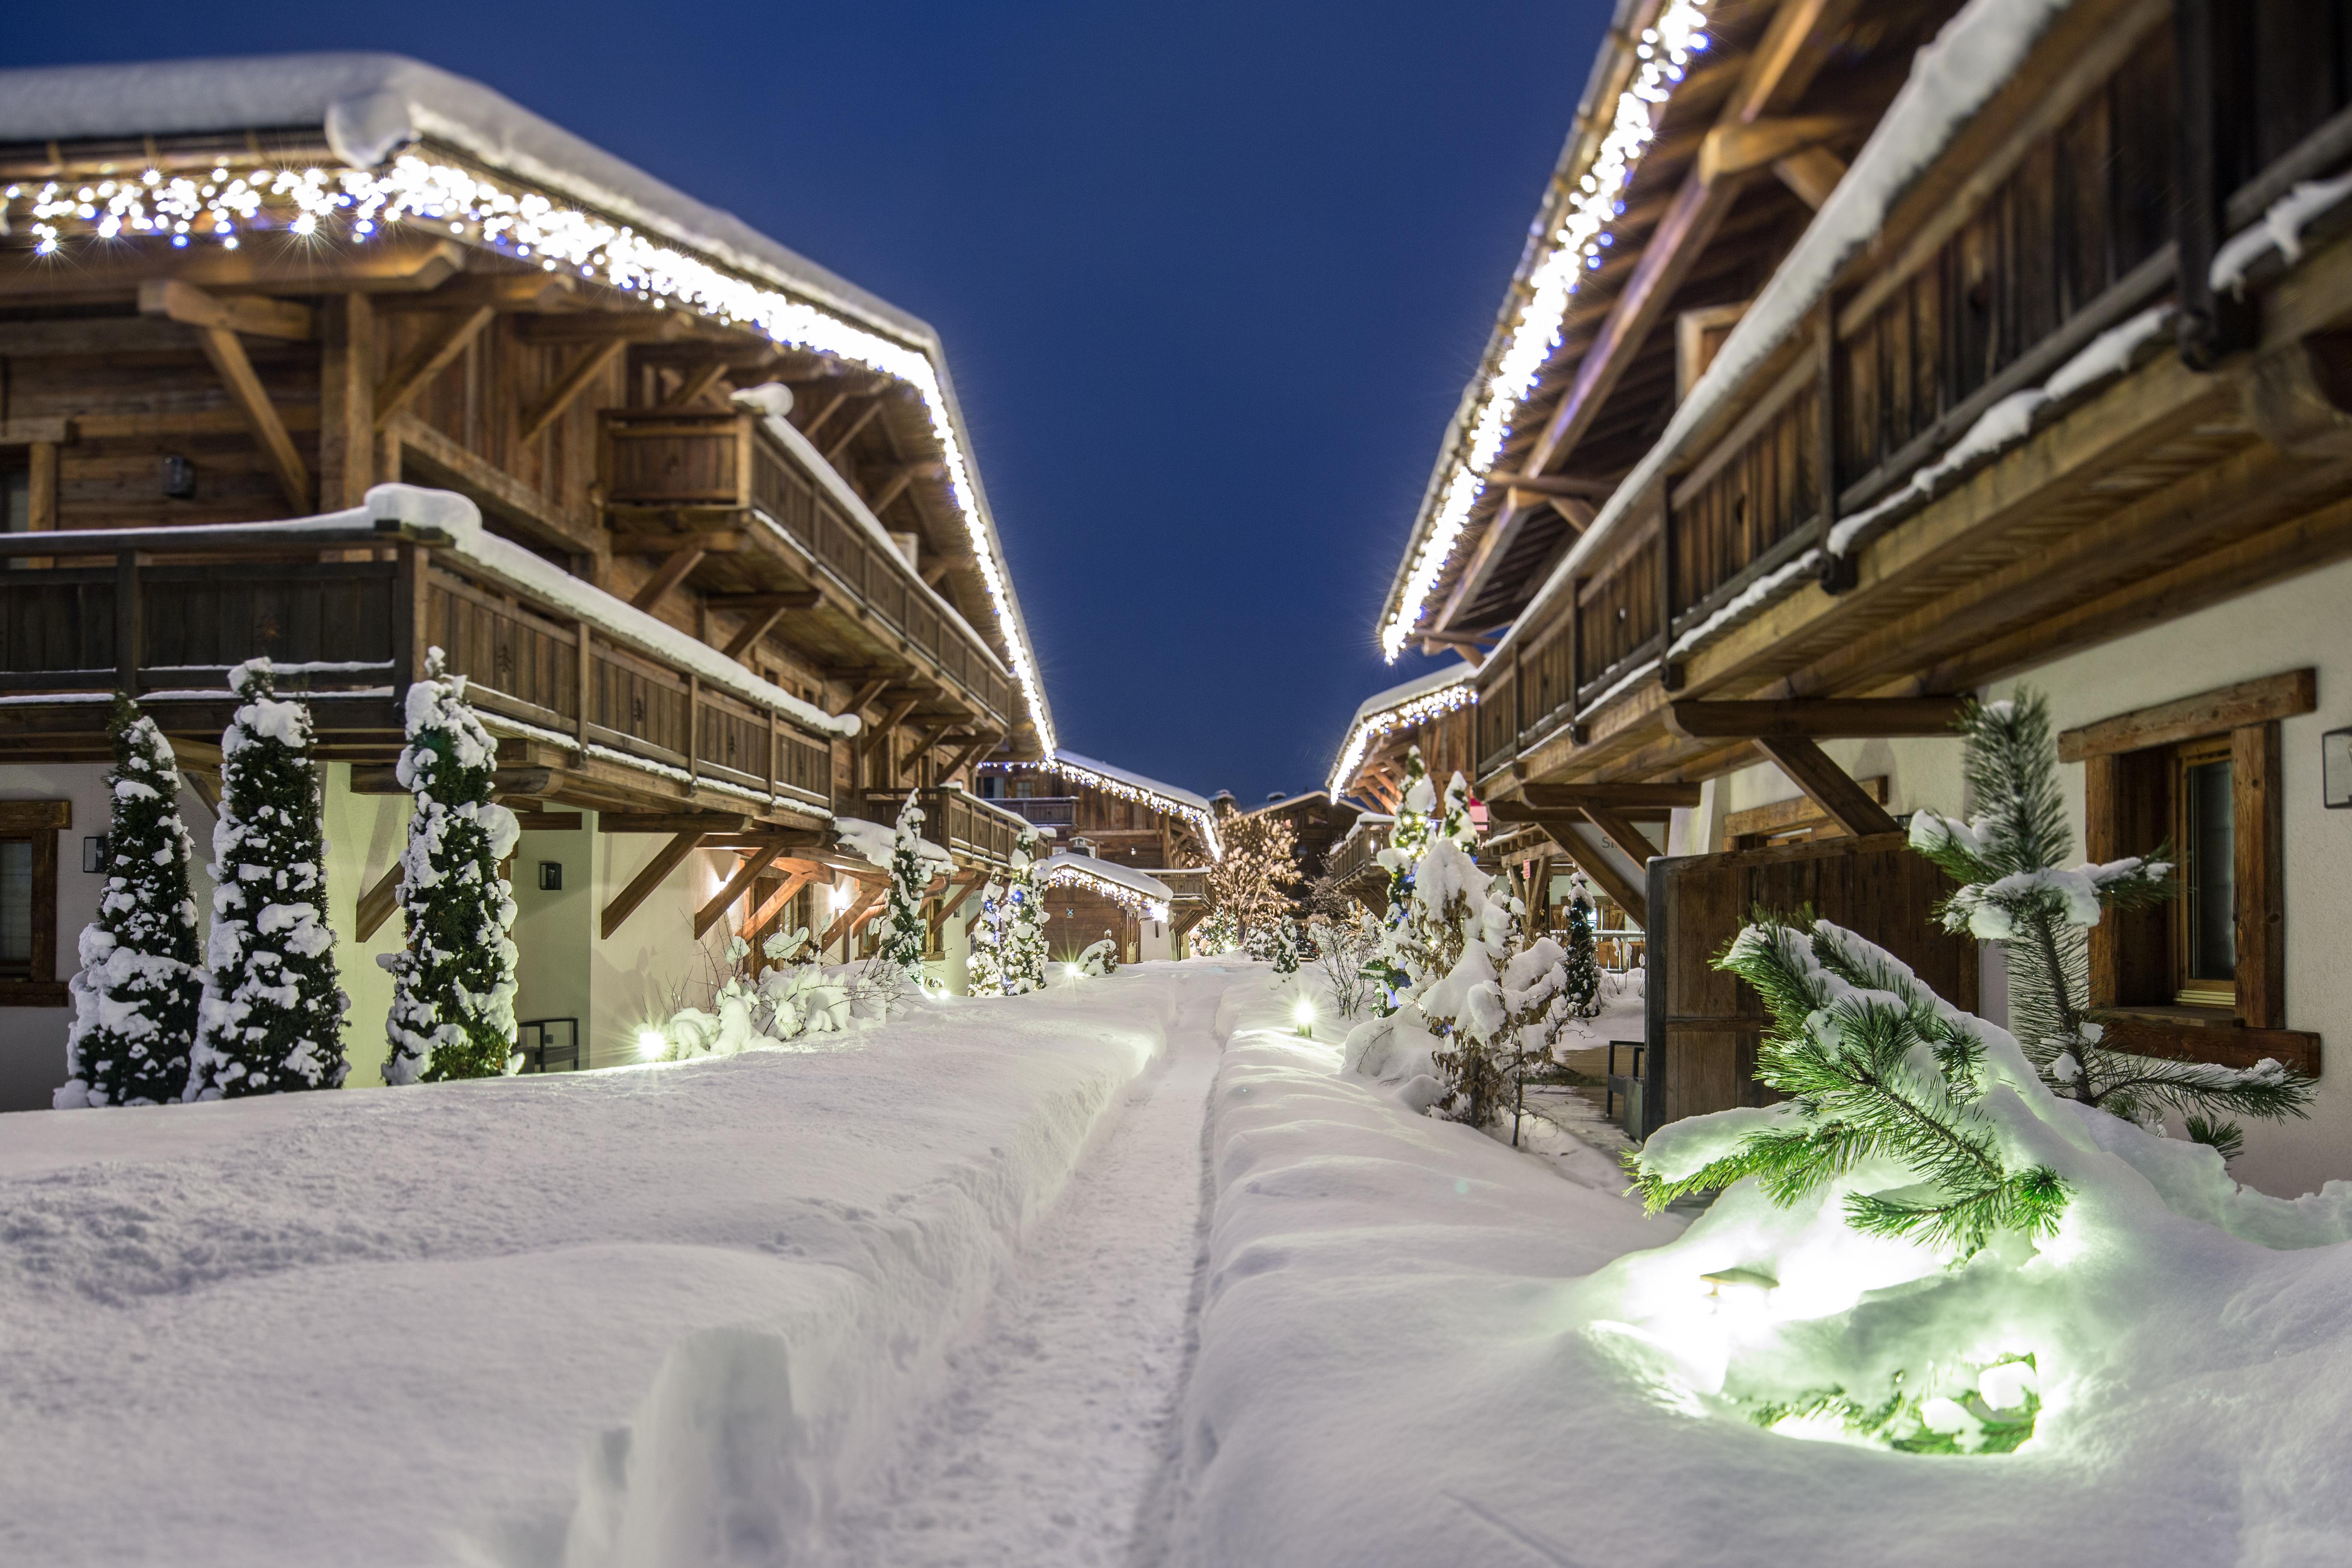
{"x":401,"y":366}
{"x":1095,"y":811}
{"x":1928,"y":350}
{"x":1317,"y":824}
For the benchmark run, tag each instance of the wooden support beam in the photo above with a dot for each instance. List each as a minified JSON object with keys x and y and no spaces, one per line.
{"x":754,"y":865}
{"x":866,"y":415}
{"x":705,"y":823}
{"x":963,"y":759}
{"x":384,"y":778}
{"x":894,"y":484}
{"x":773,"y":904}
{"x":832,"y":405}
{"x":1597,"y":865}
{"x":930,"y":738}
{"x":712,"y":541}
{"x":1620,"y":831}
{"x":1582,"y":486}
{"x":378,"y":902}
{"x":1502,"y":531}
{"x":865,"y":693}
{"x":1467,"y":646}
{"x":229,"y":363}
{"x":1829,"y":786}
{"x":876,"y":738}
{"x":250,"y":314}
{"x":582,"y":375}
{"x":389,"y":262}
{"x":1823,"y":719}
{"x":670,"y":857}
{"x":1610,"y":797}
{"x":964,"y":887}
{"x":700,"y":380}
{"x":847,"y":919}
{"x":1741,"y":145}
{"x":536,"y":290}
{"x":668,"y":576}
{"x":548,"y":821}
{"x":427,"y":360}
{"x":753,"y":630}
{"x":1814,"y":174}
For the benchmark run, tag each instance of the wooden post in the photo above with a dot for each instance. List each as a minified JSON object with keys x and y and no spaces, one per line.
{"x":583,"y":675}
{"x":347,"y":446}
{"x":2257,"y":793}
{"x":2102,"y":800}
{"x":1669,"y":674}
{"x":410,"y":635}
{"x":1575,"y":655}
{"x":128,"y":623}
{"x":1837,"y":573}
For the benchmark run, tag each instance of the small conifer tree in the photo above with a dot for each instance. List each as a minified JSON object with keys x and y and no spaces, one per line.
{"x":453,"y":991}
{"x":2016,"y":890}
{"x":906,"y":933}
{"x":1286,"y":947}
{"x":985,"y":971}
{"x":1583,"y":997}
{"x":1025,"y":920}
{"x":272,"y":1014}
{"x":136,"y":995}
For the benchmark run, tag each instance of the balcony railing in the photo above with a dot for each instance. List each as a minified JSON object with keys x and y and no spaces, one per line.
{"x":167,"y":613}
{"x":1044,"y":810}
{"x":1986,"y":302}
{"x":1358,"y":853}
{"x":962,"y":824}
{"x":731,"y":462}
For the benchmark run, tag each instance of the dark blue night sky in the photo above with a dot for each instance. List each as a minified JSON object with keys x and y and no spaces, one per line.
{"x":1211,"y":277}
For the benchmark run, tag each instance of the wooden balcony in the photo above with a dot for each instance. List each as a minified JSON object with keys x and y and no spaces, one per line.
{"x":350,"y":611}
{"x":2057,"y":216}
{"x":964,"y":825}
{"x":800,"y":530}
{"x":1354,"y":864}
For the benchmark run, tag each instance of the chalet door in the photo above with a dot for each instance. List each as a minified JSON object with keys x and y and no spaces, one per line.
{"x":1704,"y":1024}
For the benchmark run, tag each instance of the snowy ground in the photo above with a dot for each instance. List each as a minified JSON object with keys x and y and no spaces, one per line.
{"x":1123,"y":1273}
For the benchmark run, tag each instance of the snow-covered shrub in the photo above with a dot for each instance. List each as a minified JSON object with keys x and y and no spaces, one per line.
{"x":452,"y":982}
{"x":1583,"y":979}
{"x":136,"y":995}
{"x":1100,"y":958}
{"x":1286,"y":946}
{"x":1343,"y":947}
{"x":779,"y":1002}
{"x":272,"y":1013}
{"x":1924,"y":1240}
{"x":2016,"y":890}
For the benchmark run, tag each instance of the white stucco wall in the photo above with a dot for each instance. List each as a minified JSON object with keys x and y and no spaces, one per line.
{"x":2287,"y":626}
{"x":33,"y":1039}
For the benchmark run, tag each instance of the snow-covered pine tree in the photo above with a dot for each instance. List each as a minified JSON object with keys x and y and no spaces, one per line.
{"x":1407,"y":837}
{"x":904,"y":932}
{"x":453,"y":984}
{"x":1025,"y":920}
{"x":1877,"y":1066}
{"x":272,"y":1014}
{"x":1583,"y":993}
{"x":135,"y":997}
{"x":2016,"y":890}
{"x":1286,"y":947}
{"x":984,"y":970}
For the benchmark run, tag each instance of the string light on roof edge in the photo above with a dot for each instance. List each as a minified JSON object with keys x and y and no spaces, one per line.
{"x":530,"y":226}
{"x":1167,"y":805}
{"x":1661,"y":54}
{"x":1428,"y":705}
{"x":1142,"y":905}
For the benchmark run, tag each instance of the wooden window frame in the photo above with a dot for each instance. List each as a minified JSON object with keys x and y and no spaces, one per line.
{"x":38,"y":822}
{"x":2127,"y":812}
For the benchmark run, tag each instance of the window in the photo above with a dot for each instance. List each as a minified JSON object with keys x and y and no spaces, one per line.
{"x":28,"y":902}
{"x":2203,"y":976}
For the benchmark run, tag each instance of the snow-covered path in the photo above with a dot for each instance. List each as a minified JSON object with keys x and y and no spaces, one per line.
{"x":1057,"y":1419}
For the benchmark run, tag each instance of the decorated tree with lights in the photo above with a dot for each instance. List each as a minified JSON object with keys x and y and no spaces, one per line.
{"x":1024,"y":919}
{"x":904,"y":932}
{"x":1582,"y":993}
{"x":1407,"y":837}
{"x":2016,"y":890}
{"x":1286,"y":946}
{"x":272,"y":1014}
{"x":1260,"y":861}
{"x":452,"y":982}
{"x":984,"y":970}
{"x":136,"y":995}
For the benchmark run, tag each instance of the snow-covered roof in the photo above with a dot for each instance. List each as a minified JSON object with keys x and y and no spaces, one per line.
{"x":1439,"y":691}
{"x":1082,"y":867}
{"x":1069,"y":762}
{"x":1952,"y":78}
{"x":1150,"y":791}
{"x":368,"y":106}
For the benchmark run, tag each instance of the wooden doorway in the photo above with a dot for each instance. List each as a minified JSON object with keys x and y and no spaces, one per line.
{"x":1704,"y":1025}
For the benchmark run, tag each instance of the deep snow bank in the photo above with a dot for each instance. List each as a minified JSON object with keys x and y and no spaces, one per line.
{"x":650,"y":1316}
{"x":1380,"y":1378}
{"x":1414,"y":1352}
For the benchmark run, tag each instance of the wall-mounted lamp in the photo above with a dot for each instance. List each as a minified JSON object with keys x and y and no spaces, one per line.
{"x":550,"y":875}
{"x":2335,"y":768}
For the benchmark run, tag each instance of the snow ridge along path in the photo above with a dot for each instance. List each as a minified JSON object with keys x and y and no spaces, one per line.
{"x":1057,"y":1418}
{"x":640,"y":1318}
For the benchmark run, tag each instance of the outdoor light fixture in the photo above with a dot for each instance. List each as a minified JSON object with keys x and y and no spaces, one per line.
{"x":1072,"y":972}
{"x":652,"y":1043}
{"x":2335,"y":768}
{"x":550,"y":875}
{"x":840,"y":896}
{"x":93,"y":853}
{"x":1303,"y":1015}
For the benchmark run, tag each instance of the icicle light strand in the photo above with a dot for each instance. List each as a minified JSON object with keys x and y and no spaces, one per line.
{"x":442,"y":197}
{"x":1388,"y":721}
{"x":1661,"y":55}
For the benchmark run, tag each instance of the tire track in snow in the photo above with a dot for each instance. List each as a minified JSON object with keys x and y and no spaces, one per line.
{"x":1050,"y":1442}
